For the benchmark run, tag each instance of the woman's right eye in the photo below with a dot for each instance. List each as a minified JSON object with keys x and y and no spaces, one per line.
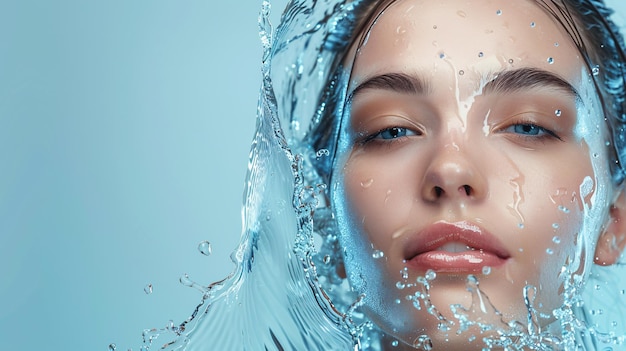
{"x":391,"y":134}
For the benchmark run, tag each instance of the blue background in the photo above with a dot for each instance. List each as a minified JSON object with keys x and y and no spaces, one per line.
{"x":125,"y":128}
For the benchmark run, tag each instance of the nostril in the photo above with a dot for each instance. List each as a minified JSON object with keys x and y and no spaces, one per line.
{"x":438,"y":191}
{"x":468,"y":190}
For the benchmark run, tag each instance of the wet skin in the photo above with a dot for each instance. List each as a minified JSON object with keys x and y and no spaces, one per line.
{"x":475,"y":144}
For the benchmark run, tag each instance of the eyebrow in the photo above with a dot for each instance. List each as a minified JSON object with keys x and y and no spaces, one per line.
{"x":396,"y":82}
{"x":509,"y":81}
{"x":527,"y":79}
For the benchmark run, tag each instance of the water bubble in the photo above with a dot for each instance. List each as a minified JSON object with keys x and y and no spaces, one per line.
{"x":499,"y":12}
{"x":322,"y":152}
{"x":205,"y":247}
{"x":486,"y":270}
{"x":148,"y":289}
{"x":595,"y":71}
{"x":555,"y":225}
{"x":430,"y":275}
{"x":556,"y":240}
{"x":558,"y":113}
{"x":550,"y":60}
{"x":549,"y":251}
{"x":378,"y":254}
{"x":481,"y":54}
{"x":533,"y":24}
{"x":112,"y":347}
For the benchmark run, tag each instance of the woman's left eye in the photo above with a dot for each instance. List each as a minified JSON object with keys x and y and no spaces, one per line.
{"x":394,"y":133}
{"x":530,"y":130}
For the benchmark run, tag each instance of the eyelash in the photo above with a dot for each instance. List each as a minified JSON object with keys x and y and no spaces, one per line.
{"x":378,"y":136}
{"x":542,"y":132}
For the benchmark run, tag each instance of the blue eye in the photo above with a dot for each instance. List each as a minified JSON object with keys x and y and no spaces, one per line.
{"x":528,"y":129}
{"x":393,"y":133}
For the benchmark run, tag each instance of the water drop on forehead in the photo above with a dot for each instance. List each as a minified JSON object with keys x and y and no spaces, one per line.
{"x":205,"y":248}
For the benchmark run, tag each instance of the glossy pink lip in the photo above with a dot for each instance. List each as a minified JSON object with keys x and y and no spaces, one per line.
{"x":423,"y":251}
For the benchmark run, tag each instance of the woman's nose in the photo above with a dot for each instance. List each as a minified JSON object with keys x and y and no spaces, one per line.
{"x":452,"y":174}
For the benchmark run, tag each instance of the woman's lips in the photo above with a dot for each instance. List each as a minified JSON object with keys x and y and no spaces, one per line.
{"x":459,"y":247}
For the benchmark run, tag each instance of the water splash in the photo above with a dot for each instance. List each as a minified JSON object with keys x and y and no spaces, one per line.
{"x":287,"y":291}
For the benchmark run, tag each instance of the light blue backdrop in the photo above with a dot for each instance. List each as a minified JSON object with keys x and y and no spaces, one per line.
{"x":124,"y":134}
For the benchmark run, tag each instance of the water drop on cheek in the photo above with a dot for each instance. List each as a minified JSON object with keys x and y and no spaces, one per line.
{"x":558,"y":113}
{"x":550,"y":60}
{"x":367,"y":183}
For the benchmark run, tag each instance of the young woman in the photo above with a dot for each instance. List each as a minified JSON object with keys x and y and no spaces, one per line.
{"x":440,"y":175}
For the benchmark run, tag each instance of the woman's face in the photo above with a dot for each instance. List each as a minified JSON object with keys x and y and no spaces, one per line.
{"x":474,"y":146}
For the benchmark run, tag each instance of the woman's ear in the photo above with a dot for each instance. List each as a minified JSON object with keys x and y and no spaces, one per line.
{"x":612,"y":241}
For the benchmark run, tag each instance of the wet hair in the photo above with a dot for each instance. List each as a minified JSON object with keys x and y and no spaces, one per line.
{"x":588,"y":24}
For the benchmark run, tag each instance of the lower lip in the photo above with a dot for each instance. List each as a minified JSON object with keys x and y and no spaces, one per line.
{"x":459,"y":262}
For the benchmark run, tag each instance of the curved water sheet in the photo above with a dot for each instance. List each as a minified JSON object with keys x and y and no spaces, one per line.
{"x":287,"y":291}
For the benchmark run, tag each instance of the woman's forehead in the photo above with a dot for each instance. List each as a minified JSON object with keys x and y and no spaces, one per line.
{"x":479,"y":39}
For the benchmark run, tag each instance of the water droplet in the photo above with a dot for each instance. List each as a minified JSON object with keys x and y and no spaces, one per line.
{"x":400,"y":285}
{"x":461,"y":72}
{"x":486,"y":270}
{"x":520,"y":249}
{"x":205,"y":247}
{"x":148,"y":289}
{"x":555,"y":225}
{"x":481,"y":54}
{"x":556,"y":240}
{"x":511,"y":61}
{"x":499,"y":12}
{"x":322,"y":152}
{"x":533,"y":24}
{"x":430,"y":275}
{"x":367,"y":183}
{"x":434,"y":26}
{"x":112,"y":347}
{"x":394,"y":343}
{"x":461,"y":14}
{"x":556,"y":44}
{"x":558,"y":113}
{"x":378,"y":254}
{"x":442,"y":55}
{"x":563,"y":209}
{"x":595,"y":71}
{"x":623,"y":292}
{"x":550,"y":60}
{"x":595,"y":155}
{"x":597,"y":287}
{"x":521,"y":226}
{"x":398,"y":301}
{"x":549,"y":251}
{"x":326,"y":259}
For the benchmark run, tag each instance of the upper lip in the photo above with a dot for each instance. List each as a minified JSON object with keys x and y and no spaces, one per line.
{"x":441,"y":233}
